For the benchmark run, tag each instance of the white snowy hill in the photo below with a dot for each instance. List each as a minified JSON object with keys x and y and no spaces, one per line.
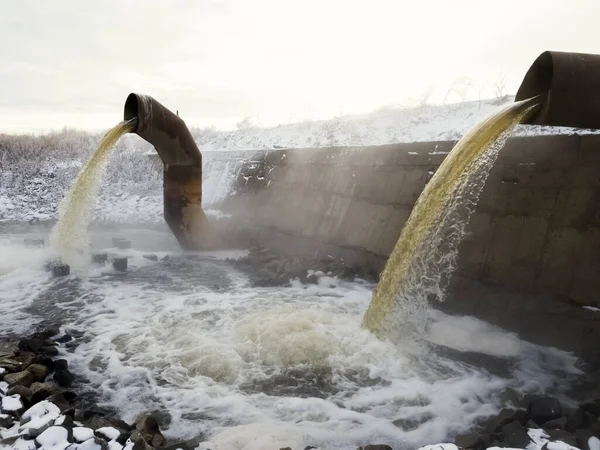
{"x":36,"y":171}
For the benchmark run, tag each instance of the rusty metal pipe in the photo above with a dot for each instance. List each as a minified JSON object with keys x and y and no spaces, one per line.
{"x":182,"y":187}
{"x":571,"y":83}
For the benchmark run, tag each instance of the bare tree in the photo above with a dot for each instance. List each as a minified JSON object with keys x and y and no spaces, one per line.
{"x":499,"y":86}
{"x":460,"y":88}
{"x":244,"y":124}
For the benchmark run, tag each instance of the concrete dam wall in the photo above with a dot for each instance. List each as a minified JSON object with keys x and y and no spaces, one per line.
{"x":532,"y":259}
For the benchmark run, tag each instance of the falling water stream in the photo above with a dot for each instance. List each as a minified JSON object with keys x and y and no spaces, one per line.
{"x":69,"y":236}
{"x":425,"y":255}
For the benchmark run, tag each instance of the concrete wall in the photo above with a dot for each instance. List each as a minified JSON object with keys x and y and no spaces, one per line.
{"x":534,"y":246}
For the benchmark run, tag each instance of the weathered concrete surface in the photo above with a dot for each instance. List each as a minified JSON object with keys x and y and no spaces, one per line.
{"x":532,"y":259}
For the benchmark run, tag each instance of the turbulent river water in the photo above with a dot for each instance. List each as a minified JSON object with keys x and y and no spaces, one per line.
{"x":253,"y":368}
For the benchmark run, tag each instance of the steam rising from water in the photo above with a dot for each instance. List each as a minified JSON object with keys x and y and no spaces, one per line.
{"x":69,"y":236}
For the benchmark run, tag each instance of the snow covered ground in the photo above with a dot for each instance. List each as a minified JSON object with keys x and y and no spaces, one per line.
{"x":36,"y":171}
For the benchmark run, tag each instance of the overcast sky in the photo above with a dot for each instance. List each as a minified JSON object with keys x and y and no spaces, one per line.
{"x":74,"y":62}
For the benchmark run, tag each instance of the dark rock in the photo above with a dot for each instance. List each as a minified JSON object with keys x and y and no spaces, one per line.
{"x":99,"y":258}
{"x":6,"y":421}
{"x":9,"y":442}
{"x":312,"y":279}
{"x":25,"y":359}
{"x":10,"y":365}
{"x":44,"y":361}
{"x":64,"y":378}
{"x":23,"y":378}
{"x":61,"y":364}
{"x":561,"y":435}
{"x":8,"y":349}
{"x":506,"y":416}
{"x":583,"y":438}
{"x":516,"y":435}
{"x":595,"y":428}
{"x":88,"y":412}
{"x":97,"y":421}
{"x":23,"y":392}
{"x":70,"y":396}
{"x":578,"y":419}
{"x":64,"y":338}
{"x":32,"y":345}
{"x":49,"y":350}
{"x":59,"y":400}
{"x":120,"y":264}
{"x":543,"y":409}
{"x":531,"y":424}
{"x":68,"y":423}
{"x":165,"y":258}
{"x":468,"y":440}
{"x":146,"y":427}
{"x":139,"y":443}
{"x":592,"y":406}
{"x":41,"y":391}
{"x":38,"y":371}
{"x":285,"y":448}
{"x":151,"y":257}
{"x":121,"y":424}
{"x":46,"y":333}
{"x":556,"y":424}
{"x":61,"y":270}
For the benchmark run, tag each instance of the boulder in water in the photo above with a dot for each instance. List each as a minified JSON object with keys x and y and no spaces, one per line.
{"x":516,"y":435}
{"x":38,"y":371}
{"x":61,"y":270}
{"x":99,"y":258}
{"x":23,"y":378}
{"x":120,"y":264}
{"x":544,"y":409}
{"x":64,"y":378}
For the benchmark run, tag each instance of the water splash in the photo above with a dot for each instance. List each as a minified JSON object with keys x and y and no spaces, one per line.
{"x":424,"y":257}
{"x":69,"y":236}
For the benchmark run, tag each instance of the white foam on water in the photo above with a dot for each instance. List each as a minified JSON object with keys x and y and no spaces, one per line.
{"x":471,"y":334}
{"x":273,"y":367}
{"x":21,"y":278}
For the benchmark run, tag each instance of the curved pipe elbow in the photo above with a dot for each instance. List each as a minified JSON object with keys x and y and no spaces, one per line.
{"x":163,"y":129}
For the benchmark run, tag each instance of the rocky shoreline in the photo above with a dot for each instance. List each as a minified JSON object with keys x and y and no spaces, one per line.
{"x":42,"y":407}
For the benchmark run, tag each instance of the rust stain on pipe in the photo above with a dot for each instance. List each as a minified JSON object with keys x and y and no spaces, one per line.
{"x":571,"y":83}
{"x":182,"y":187}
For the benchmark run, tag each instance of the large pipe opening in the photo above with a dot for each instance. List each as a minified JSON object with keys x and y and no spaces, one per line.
{"x":571,"y":84}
